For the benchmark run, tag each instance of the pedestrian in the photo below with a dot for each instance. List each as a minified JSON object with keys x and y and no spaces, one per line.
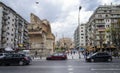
{"x":74,"y":52}
{"x":36,"y":53}
{"x":71,"y":52}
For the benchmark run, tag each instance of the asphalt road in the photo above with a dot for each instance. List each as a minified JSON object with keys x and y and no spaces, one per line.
{"x":67,"y":66}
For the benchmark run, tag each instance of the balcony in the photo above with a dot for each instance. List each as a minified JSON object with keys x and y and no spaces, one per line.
{"x":4,"y":40}
{"x":25,"y":34}
{"x":4,"y":18}
{"x":4,"y":29}
{"x":4,"y":35}
{"x":33,"y":33}
{"x":5,"y":12}
{"x":100,"y":29}
{"x":25,"y":41}
{"x":25,"y":38}
{"x":26,"y":30}
{"x":19,"y":30}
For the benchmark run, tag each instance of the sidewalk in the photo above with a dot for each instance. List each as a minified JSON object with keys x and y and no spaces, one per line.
{"x":69,"y":57}
{"x":38,"y":58}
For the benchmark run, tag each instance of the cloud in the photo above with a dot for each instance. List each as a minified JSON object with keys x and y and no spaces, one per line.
{"x":89,"y":5}
{"x":62,"y":14}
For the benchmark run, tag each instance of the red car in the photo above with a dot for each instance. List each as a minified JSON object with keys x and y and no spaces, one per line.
{"x":57,"y":56}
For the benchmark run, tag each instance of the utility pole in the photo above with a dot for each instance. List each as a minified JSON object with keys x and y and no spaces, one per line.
{"x":79,"y":29}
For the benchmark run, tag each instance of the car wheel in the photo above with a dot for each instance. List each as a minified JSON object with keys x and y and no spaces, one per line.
{"x":92,"y":60}
{"x":3,"y":64}
{"x":109,"y":60}
{"x":21,"y":63}
{"x":27,"y":64}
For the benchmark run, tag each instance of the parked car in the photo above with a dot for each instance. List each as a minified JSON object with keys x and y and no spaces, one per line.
{"x":99,"y":57}
{"x":57,"y":56}
{"x":13,"y":59}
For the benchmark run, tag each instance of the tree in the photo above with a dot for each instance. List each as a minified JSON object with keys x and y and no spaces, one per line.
{"x":115,"y":33}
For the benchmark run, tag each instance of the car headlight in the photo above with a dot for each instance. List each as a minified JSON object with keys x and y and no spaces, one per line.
{"x":88,"y":57}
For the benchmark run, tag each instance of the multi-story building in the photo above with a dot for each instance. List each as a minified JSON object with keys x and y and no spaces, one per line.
{"x":99,"y":23}
{"x":65,"y":43}
{"x":41,"y":38}
{"x":13,"y":29}
{"x":80,"y":37}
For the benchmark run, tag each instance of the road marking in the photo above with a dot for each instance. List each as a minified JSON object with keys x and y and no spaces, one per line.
{"x":69,"y":66}
{"x":70,"y":69}
{"x":93,"y":69}
{"x":70,"y":72}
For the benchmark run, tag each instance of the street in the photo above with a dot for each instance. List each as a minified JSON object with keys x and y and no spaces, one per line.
{"x":64,"y":66}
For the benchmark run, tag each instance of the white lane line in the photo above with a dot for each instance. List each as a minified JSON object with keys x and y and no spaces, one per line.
{"x":110,"y":69}
{"x":70,"y":72}
{"x":70,"y":69}
{"x":69,"y":66}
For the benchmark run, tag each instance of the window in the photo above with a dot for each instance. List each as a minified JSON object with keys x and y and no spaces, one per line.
{"x":1,"y":54}
{"x":8,"y":17}
{"x":12,"y":19}
{"x":8,"y":33}
{"x":82,"y":34}
{"x":11,"y":39}
{"x":105,"y":11}
{"x":81,"y":44}
{"x":11,"y":34}
{"x":106,"y":15}
{"x":107,"y":36}
{"x":7,"y":27}
{"x":107,"y":25}
{"x":8,"y":22}
{"x":99,"y":15}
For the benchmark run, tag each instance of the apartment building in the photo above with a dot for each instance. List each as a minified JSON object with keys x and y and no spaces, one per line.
{"x":13,"y":29}
{"x":80,"y":37}
{"x":100,"y":24}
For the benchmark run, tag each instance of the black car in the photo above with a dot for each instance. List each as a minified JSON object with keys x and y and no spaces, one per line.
{"x":13,"y":59}
{"x":99,"y":57}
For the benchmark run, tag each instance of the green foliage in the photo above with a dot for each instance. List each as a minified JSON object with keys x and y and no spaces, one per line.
{"x":59,"y":49}
{"x":115,"y":33}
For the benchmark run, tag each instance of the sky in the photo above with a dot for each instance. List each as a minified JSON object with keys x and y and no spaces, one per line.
{"x":62,"y":14}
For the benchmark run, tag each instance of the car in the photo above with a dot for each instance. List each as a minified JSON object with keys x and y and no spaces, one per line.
{"x":57,"y":56}
{"x":14,"y":58}
{"x":99,"y":57}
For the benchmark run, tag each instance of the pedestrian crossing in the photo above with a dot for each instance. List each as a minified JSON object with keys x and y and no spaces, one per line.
{"x":75,"y":56}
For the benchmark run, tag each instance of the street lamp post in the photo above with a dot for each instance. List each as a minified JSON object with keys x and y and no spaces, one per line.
{"x":79,"y":28}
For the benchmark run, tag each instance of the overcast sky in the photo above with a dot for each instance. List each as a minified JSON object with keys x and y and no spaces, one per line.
{"x":62,"y":14}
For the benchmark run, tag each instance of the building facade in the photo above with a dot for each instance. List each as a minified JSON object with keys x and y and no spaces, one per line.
{"x":100,"y":24}
{"x":40,"y":36}
{"x":80,"y":37}
{"x":13,"y":29}
{"x":65,"y":43}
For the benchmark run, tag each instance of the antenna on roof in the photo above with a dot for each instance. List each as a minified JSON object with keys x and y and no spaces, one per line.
{"x":111,"y":3}
{"x":37,"y":2}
